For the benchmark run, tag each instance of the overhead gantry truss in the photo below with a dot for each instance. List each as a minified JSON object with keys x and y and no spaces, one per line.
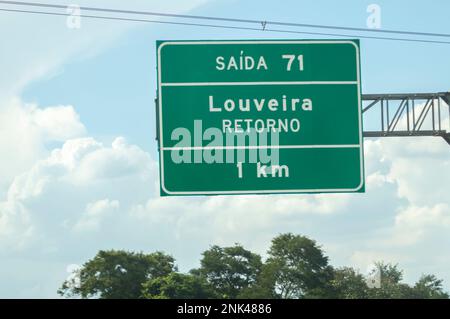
{"x":417,"y":114}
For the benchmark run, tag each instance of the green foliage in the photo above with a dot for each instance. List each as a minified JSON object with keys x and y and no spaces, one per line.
{"x":230,"y":269}
{"x":296,"y":267}
{"x":429,"y":287}
{"x":391,"y":286}
{"x":299,"y":268}
{"x":264,"y":287}
{"x":347,"y":283}
{"x":177,"y":286}
{"x":117,"y":274}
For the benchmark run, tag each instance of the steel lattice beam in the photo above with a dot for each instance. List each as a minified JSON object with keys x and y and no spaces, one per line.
{"x":416,"y":114}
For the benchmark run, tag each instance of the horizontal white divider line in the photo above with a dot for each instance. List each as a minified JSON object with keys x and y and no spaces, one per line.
{"x":261,"y":83}
{"x":251,"y":147}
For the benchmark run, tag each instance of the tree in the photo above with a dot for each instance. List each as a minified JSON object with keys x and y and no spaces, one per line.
{"x":300,"y":268}
{"x":263,"y":288}
{"x":296,"y":267}
{"x":229,"y":269}
{"x":348,"y":284}
{"x":117,"y":274}
{"x":177,"y":286}
{"x":429,"y":287}
{"x":391,"y":286}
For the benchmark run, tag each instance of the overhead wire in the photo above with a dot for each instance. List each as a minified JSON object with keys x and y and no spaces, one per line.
{"x":226,"y":19}
{"x":217,"y":26}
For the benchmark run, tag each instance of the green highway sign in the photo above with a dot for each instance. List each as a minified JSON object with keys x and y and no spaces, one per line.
{"x":259,"y":117}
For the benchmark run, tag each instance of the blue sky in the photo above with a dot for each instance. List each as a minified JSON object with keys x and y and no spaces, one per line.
{"x":77,"y":125}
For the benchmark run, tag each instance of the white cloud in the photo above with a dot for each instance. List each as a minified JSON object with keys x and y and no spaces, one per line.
{"x":422,"y":180}
{"x":420,"y":166}
{"x":414,"y":223}
{"x":377,"y":180}
{"x":25,"y":129}
{"x":69,"y":178}
{"x":57,"y":123}
{"x":109,"y":163}
{"x":95,"y":213}
{"x":16,"y":228}
{"x":364,"y":259}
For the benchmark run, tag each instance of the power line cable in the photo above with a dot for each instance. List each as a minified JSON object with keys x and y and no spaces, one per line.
{"x":223,"y":19}
{"x":225,"y":26}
